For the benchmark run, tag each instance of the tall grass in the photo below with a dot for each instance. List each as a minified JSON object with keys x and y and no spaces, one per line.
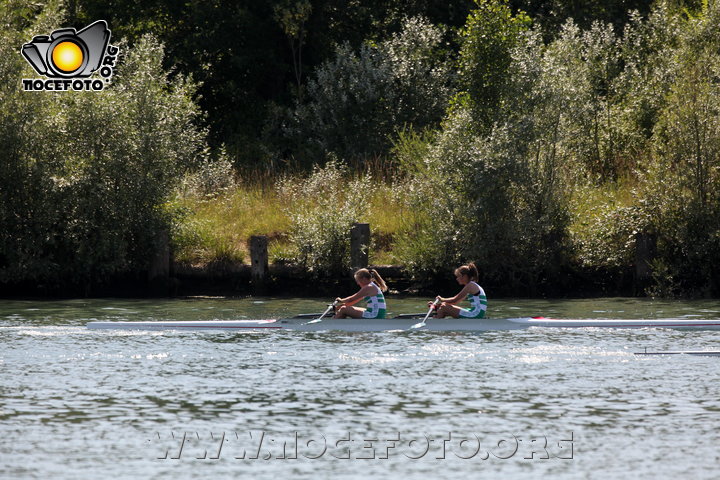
{"x":215,"y":228}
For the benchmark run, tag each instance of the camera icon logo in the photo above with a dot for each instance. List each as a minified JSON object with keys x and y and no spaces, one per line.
{"x":67,"y":53}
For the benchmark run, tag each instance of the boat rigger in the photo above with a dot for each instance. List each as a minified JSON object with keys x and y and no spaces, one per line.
{"x":308,"y":322}
{"x":697,"y":353}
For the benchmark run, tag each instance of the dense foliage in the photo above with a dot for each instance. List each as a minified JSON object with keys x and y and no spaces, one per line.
{"x":592,"y":111}
{"x":540,"y":139}
{"x":323,"y":208}
{"x":355,"y":101}
{"x":252,"y":58}
{"x":84,"y":176}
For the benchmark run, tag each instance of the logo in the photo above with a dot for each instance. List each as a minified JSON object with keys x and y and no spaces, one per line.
{"x":68,"y":58}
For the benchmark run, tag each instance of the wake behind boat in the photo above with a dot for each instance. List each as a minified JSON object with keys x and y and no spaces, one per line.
{"x":406,"y":322}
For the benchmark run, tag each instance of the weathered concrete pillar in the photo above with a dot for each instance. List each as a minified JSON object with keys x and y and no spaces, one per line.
{"x":359,"y":245}
{"x":258,"y":257}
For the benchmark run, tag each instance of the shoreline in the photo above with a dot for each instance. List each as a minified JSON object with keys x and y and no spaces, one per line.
{"x":236,"y":280}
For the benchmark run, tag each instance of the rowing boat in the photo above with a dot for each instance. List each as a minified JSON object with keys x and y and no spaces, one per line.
{"x":404,"y":322}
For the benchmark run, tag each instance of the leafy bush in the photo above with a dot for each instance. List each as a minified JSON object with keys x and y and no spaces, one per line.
{"x":668,"y":111}
{"x":684,"y":182}
{"x":85,"y":177}
{"x":323,"y":208}
{"x":497,"y":195}
{"x":356,"y":100}
{"x":489,"y":36}
{"x":502,"y":172}
{"x":605,"y":222}
{"x":211,"y":177}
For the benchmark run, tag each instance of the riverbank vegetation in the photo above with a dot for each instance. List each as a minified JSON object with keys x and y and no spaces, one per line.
{"x":556,"y":147}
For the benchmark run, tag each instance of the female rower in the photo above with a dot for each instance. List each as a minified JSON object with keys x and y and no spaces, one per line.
{"x":467,"y":275}
{"x":372,"y":287}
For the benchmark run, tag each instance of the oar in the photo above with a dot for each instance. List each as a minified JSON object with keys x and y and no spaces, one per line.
{"x":319,"y":319}
{"x":422,"y":324}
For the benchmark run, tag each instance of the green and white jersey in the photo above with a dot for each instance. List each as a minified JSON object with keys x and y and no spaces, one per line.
{"x":375,"y":304}
{"x":478,"y":304}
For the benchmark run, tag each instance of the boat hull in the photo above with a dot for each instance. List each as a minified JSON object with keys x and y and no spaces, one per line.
{"x":406,"y":322}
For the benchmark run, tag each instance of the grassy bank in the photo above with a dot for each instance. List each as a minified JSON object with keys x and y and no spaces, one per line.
{"x":215,"y":229}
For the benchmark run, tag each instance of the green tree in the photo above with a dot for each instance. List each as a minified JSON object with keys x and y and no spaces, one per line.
{"x":551,"y":15}
{"x":490,"y":34}
{"x":357,"y":100}
{"x":293,"y":18}
{"x":85,"y":177}
{"x":685,"y":181}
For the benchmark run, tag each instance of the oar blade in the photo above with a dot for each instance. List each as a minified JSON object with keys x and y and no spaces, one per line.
{"x":424,"y":320}
{"x":319,"y":319}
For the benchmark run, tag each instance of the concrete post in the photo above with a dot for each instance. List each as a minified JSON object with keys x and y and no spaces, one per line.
{"x":258,"y":257}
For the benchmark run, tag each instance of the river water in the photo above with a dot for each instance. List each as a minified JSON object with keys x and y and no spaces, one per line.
{"x":79,"y":403}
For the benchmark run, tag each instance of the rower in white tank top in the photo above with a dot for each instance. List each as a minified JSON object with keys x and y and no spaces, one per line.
{"x":467,"y":276}
{"x":371,"y":290}
{"x":478,"y":302}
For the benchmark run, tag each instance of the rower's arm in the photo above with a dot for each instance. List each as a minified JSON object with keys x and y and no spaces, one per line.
{"x":457,"y":298}
{"x":353,"y":299}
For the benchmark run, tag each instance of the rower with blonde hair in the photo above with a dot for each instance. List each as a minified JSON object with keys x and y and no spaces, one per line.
{"x":467,"y":276}
{"x":372,"y":287}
